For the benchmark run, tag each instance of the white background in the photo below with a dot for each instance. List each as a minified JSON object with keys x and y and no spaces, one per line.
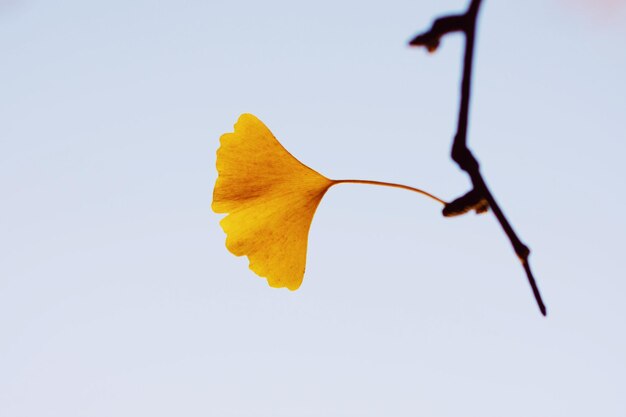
{"x":119,"y":298}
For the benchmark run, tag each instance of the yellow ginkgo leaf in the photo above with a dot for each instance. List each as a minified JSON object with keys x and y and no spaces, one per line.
{"x":270,"y":198}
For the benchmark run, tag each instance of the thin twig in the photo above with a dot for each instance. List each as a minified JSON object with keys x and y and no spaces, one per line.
{"x":461,"y":154}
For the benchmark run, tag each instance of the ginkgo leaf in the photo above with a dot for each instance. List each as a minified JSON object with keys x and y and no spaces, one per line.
{"x":270,"y":198}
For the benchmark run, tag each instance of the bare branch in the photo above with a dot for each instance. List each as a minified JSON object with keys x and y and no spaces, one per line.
{"x":480,"y":197}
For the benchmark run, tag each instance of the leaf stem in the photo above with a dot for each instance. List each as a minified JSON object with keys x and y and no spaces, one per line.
{"x":391,"y":184}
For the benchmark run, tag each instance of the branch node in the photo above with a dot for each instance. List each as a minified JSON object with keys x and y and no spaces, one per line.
{"x":522,"y":251}
{"x":464,"y":157}
{"x":442,"y":26}
{"x":473,"y":200}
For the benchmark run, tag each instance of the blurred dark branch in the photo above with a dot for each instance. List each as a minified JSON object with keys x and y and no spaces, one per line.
{"x":479,"y":198}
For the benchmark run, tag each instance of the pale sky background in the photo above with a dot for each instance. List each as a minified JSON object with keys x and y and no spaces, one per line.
{"x":119,"y":298}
